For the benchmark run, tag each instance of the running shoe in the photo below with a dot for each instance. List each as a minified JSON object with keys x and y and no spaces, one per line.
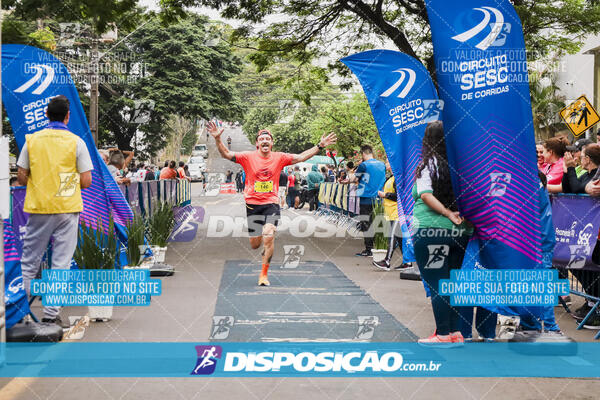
{"x":263,"y":281}
{"x":593,"y":321}
{"x":58,"y":321}
{"x":457,"y":337}
{"x":440,"y":341}
{"x":403,"y":266}
{"x":382,"y":265}
{"x":365,"y":253}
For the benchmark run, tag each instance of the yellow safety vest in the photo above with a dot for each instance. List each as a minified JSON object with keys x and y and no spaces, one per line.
{"x":53,"y":184}
{"x":390,"y":207}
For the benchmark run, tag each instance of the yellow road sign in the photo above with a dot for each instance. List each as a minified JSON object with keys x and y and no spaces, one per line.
{"x":579,"y":116}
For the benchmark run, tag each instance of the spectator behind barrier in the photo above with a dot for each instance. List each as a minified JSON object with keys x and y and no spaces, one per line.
{"x":539,"y":148}
{"x":105,"y":154}
{"x":314,"y":180}
{"x":116,"y":163}
{"x":169,"y":172}
{"x":370,"y":176}
{"x":589,"y":161}
{"x":554,"y":150}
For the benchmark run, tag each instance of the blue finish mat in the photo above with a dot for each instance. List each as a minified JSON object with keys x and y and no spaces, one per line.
{"x":313,"y":302}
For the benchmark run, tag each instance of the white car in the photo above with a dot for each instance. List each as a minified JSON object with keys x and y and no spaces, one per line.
{"x":196,"y":166}
{"x":200,"y":150}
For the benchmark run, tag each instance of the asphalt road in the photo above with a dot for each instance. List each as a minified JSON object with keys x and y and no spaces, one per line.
{"x":184,"y":313}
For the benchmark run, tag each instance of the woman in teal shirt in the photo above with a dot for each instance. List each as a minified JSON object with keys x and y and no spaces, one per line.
{"x":440,"y":233}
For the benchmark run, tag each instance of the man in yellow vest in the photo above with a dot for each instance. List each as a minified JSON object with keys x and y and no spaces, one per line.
{"x":55,"y":165}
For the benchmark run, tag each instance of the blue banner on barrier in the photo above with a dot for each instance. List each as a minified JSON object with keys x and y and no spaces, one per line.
{"x":300,"y":360}
{"x":576,"y":223}
{"x":481,"y":70}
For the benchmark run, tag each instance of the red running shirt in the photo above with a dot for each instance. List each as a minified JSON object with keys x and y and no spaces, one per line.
{"x":262,"y":175}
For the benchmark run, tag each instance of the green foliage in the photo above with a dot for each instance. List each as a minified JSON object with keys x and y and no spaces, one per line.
{"x":546,"y":102}
{"x":135,"y":240}
{"x":100,"y":14}
{"x":351,"y":120}
{"x":160,"y":224}
{"x":259,"y":118}
{"x":96,"y":249}
{"x":336,"y":28}
{"x":183,"y":73}
{"x":17,"y":31}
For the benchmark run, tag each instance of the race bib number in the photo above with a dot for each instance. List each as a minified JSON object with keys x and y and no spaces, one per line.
{"x":263,"y":187}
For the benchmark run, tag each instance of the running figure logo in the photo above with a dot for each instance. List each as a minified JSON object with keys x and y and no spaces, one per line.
{"x":293,"y":253}
{"x":221,"y":327}
{"x":433,"y":110}
{"x":437,"y":255}
{"x":366,"y":327}
{"x":579,"y":254}
{"x":207,"y":359}
{"x":500,"y":181}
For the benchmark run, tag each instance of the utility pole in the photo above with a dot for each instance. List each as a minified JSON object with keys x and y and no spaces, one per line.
{"x":94,"y":91}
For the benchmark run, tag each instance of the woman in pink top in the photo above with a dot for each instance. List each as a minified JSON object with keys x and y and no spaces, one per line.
{"x":554,"y":150}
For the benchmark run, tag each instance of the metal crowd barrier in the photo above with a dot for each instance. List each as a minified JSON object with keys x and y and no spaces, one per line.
{"x":339,"y":204}
{"x":142,"y":196}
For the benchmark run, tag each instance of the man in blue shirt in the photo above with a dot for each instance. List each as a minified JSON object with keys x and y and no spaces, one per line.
{"x":370,"y":176}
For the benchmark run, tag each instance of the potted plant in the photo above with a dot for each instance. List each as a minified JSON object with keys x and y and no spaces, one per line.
{"x":97,"y":250}
{"x":380,"y":240}
{"x":160,"y":225}
{"x":135,"y":241}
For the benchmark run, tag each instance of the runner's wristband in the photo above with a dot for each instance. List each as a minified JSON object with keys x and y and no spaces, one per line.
{"x":320,"y":147}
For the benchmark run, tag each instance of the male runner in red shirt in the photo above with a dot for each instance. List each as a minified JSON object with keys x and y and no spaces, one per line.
{"x":262,"y":168}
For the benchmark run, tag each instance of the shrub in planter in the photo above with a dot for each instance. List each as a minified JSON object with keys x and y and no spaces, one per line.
{"x":135,"y":240}
{"x":160,"y":225}
{"x":380,"y":239}
{"x":97,"y":249}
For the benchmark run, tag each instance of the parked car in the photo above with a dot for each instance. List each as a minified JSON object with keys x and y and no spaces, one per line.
{"x":197,"y":167}
{"x":200,"y":150}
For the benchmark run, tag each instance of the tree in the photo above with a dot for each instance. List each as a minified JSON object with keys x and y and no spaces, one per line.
{"x":351,"y":120}
{"x":100,"y":14}
{"x":549,"y":26}
{"x":545,"y":102}
{"x":173,"y":69}
{"x":179,"y":129}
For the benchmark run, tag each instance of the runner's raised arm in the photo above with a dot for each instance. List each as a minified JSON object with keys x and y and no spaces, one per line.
{"x":313,"y":151}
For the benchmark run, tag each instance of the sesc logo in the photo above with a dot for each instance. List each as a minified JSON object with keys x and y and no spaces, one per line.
{"x":404,"y":72}
{"x":495,"y":29}
{"x":39,"y":71}
{"x":207,"y":359}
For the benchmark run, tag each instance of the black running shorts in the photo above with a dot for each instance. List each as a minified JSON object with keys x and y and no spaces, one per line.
{"x":261,"y":214}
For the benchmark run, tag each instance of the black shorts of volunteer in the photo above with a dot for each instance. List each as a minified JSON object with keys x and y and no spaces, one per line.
{"x":261,"y":214}
{"x":435,"y":261}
